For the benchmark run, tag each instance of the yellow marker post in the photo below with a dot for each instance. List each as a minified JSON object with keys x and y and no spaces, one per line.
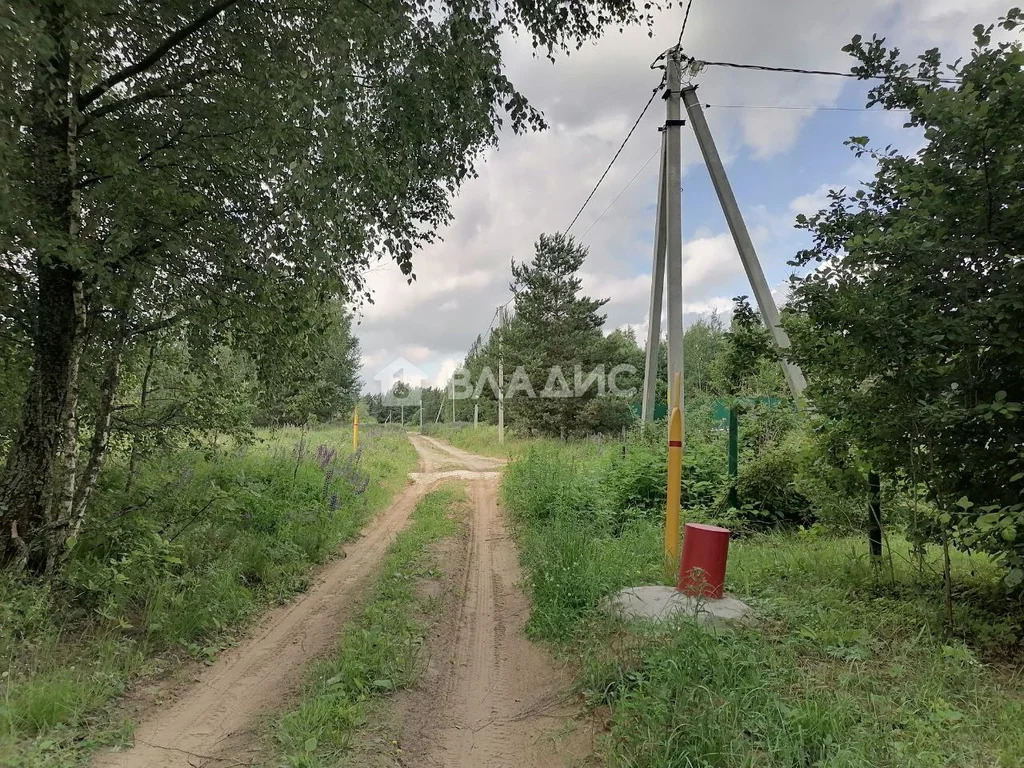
{"x":675,"y":478}
{"x":675,"y":481}
{"x":355,"y":430}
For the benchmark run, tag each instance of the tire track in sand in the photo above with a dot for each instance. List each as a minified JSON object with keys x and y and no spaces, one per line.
{"x":490,"y":697}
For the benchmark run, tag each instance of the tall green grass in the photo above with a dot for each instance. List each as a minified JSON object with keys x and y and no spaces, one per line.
{"x":852,"y":665}
{"x":177,"y":565}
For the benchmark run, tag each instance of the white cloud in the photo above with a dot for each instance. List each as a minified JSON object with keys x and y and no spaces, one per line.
{"x":417,"y":354}
{"x":812,"y":202}
{"x":535,"y":183}
{"x":448,"y":366}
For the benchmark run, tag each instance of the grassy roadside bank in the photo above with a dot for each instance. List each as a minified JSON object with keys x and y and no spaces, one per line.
{"x":378,"y":652}
{"x":175,"y":565}
{"x":850,"y":668}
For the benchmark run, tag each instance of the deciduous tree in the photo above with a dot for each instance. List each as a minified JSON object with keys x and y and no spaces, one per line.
{"x":912,"y":327}
{"x":217,"y":165}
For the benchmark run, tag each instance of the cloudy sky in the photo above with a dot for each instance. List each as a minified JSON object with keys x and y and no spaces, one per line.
{"x":781,"y":162}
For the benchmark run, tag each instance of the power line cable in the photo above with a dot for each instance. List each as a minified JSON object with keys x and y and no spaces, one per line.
{"x":616,"y":156}
{"x":686,"y":17}
{"x":799,"y":71}
{"x":621,"y":193}
{"x":490,"y":326}
{"x":783,"y":106}
{"x":682,"y":29}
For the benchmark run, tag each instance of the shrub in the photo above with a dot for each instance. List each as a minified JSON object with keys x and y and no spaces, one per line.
{"x":767,"y":488}
{"x":633,"y":479}
{"x":548,"y":481}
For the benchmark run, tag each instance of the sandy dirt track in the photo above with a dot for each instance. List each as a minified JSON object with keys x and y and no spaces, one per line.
{"x":491,"y":698}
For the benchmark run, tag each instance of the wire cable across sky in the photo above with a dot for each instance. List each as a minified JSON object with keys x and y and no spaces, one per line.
{"x":799,"y":71}
{"x":615,"y":157}
{"x":682,"y":29}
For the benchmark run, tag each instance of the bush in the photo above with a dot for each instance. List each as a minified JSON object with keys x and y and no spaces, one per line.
{"x":767,"y":488}
{"x":548,"y":481}
{"x":633,"y":479}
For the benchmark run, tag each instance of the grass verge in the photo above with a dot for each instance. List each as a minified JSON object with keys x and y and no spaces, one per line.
{"x":852,"y":666}
{"x":378,"y":652}
{"x":175,"y":565}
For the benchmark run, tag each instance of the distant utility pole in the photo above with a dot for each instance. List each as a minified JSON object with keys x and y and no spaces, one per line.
{"x":453,"y":397}
{"x":501,"y":376}
{"x":745,"y":246}
{"x":668,"y":256}
{"x":421,"y":410}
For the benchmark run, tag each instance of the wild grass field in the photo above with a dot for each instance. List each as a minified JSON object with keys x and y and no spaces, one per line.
{"x":852,"y":663}
{"x":175,"y":567}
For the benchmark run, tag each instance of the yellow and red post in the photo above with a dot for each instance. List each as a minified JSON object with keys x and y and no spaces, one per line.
{"x":675,"y":477}
{"x":355,"y":430}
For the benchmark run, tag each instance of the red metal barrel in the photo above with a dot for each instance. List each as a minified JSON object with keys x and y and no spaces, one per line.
{"x":705,"y":551}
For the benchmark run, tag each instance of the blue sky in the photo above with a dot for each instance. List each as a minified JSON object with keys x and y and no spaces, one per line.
{"x":780,"y":162}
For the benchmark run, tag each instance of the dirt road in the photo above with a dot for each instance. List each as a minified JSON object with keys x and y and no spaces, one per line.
{"x":491,"y":698}
{"x":482,"y":705}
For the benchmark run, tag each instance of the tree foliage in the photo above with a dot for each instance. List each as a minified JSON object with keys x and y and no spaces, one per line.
{"x":912,"y":331}
{"x":555,"y":339}
{"x":222,"y":168}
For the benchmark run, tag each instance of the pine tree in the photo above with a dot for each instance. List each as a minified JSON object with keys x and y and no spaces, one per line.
{"x":556,"y":331}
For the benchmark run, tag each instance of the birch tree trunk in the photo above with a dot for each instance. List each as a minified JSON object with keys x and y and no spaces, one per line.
{"x":37,"y":485}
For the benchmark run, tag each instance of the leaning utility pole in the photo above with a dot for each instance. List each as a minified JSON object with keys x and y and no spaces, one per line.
{"x":745,"y":246}
{"x":657,"y":291}
{"x":668,"y":257}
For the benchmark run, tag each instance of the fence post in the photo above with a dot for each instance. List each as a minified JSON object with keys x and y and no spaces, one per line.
{"x":874,"y":513}
{"x":734,"y":455}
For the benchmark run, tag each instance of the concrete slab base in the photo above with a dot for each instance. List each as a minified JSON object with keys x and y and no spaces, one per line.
{"x":661,"y":603}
